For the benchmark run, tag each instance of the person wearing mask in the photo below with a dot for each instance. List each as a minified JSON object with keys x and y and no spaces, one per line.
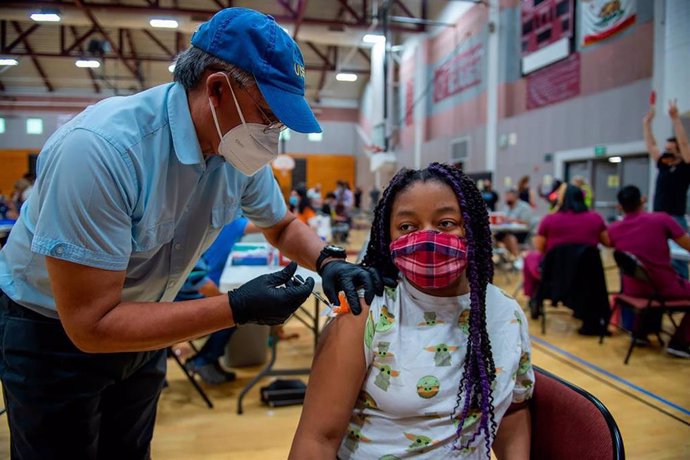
{"x":673,"y":166}
{"x":645,"y":235}
{"x":572,"y":223}
{"x":159,"y":174}
{"x":519,"y":212}
{"x":314,"y":194}
{"x":304,"y":209}
{"x":525,"y":193}
{"x":489,"y":195}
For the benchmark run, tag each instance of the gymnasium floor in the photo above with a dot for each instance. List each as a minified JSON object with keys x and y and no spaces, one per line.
{"x":649,"y":398}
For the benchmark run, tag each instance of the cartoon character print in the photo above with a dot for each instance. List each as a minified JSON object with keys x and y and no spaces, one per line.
{"x":497,"y":372}
{"x":428,"y":387}
{"x":383,"y":352}
{"x":383,"y":379}
{"x":430,"y":319}
{"x":369,"y":331}
{"x":391,"y":292}
{"x":517,"y":319}
{"x":419,"y":442}
{"x":365,"y":401}
{"x":386,"y":320}
{"x":524,"y":363}
{"x":473,"y":417}
{"x":442,"y":353}
{"x":464,"y":321}
{"x":354,"y":437}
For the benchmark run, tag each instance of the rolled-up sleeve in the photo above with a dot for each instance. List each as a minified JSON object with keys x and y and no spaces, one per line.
{"x":85,"y":202}
{"x":262,"y":200}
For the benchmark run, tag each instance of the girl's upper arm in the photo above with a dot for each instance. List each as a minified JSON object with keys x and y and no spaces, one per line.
{"x":337,"y":373}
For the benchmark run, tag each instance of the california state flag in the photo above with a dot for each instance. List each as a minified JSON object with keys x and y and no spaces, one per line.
{"x":600,"y":19}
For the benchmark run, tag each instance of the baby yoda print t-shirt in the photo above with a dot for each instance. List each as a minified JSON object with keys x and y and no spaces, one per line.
{"x":415,"y":346}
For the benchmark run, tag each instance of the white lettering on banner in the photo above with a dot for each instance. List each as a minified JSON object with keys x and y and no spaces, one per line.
{"x":459,"y":73}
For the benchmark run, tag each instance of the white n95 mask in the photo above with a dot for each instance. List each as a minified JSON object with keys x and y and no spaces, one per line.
{"x":248,"y":147}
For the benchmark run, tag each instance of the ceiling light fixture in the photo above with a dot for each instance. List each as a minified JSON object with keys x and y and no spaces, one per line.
{"x":342,"y":76}
{"x":161,"y":23}
{"x":46,"y":16}
{"x":615,"y":160}
{"x":8,"y":61}
{"x":171,"y":68}
{"x":374,"y":38}
{"x":87,"y":64}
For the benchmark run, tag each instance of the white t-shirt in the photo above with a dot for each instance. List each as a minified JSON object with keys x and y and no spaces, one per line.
{"x":415,"y":348}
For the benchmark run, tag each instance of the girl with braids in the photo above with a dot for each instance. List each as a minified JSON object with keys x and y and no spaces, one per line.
{"x":445,"y":370}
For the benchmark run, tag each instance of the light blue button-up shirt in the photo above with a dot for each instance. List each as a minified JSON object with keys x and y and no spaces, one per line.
{"x":124,"y":186}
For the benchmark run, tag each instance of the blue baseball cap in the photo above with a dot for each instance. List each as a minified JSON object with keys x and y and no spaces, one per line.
{"x":255,"y":43}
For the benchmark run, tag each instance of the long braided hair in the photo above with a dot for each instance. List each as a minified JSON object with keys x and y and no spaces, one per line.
{"x":479,"y":370}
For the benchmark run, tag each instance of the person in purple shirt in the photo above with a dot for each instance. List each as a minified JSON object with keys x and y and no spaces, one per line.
{"x":645,"y":235}
{"x":573,"y":223}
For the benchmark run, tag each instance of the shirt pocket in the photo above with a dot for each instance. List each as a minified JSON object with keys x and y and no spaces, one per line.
{"x":149,"y":238}
{"x":222,"y":215}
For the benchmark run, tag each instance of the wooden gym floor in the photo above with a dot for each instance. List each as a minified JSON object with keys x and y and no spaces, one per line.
{"x":649,"y":397}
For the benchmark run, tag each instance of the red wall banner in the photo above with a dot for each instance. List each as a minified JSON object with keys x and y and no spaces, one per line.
{"x":459,"y":73}
{"x":555,"y":83}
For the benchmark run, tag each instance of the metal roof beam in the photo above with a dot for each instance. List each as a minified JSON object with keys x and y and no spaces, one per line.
{"x":21,"y":36}
{"x":78,"y":40}
{"x":315,"y":68}
{"x":354,"y":14}
{"x":92,"y":74}
{"x":82,"y":5}
{"x":301,"y":8}
{"x":160,"y":44}
{"x":360,"y":23}
{"x":34,"y":59}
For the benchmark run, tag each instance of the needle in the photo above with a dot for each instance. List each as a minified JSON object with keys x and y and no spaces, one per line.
{"x":314,"y":293}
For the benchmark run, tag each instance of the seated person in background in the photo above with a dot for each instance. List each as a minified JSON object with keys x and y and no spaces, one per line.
{"x":328,"y":206}
{"x":489,"y":195}
{"x":645,"y":235}
{"x":519,"y":212}
{"x":439,"y":365}
{"x":304,"y":210}
{"x":203,"y":282}
{"x":572,"y":223}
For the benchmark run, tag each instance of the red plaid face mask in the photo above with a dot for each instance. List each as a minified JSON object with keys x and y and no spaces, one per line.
{"x":429,"y":259}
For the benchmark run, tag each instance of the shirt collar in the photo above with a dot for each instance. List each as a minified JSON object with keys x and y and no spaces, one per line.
{"x":182,"y":129}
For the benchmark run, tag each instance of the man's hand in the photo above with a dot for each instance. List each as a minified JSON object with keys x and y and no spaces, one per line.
{"x":339,"y":275}
{"x":650,"y":115}
{"x":262,"y":301}
{"x":673,"y":109}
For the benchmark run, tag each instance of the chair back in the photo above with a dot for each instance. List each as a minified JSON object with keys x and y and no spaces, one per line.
{"x":629,"y":265}
{"x":568,"y":423}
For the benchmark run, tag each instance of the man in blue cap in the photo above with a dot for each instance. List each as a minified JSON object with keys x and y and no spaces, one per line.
{"x":129,"y":194}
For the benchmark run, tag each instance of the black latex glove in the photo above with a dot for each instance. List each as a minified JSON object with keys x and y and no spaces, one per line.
{"x":262,"y":301}
{"x":339,"y":275}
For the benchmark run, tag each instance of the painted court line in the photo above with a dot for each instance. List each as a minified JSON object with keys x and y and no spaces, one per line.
{"x":608,"y":374}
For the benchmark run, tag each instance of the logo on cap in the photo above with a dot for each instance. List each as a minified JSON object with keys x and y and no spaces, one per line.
{"x":299,"y":70}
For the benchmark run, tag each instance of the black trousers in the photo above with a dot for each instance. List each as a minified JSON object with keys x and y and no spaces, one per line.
{"x":63,"y":403}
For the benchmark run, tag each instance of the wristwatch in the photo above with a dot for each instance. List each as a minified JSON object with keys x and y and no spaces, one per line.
{"x":335,"y":252}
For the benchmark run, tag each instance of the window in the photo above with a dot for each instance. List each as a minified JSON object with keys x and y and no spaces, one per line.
{"x":315,"y":137}
{"x":285,"y":135}
{"x":34,"y":126}
{"x":2,"y":125}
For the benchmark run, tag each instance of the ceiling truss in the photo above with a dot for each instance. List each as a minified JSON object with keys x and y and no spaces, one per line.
{"x":122,"y":45}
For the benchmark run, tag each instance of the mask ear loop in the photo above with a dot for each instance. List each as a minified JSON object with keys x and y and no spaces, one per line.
{"x":237,"y":105}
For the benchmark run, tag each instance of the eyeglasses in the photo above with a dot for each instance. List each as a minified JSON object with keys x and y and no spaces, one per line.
{"x":272,"y":124}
